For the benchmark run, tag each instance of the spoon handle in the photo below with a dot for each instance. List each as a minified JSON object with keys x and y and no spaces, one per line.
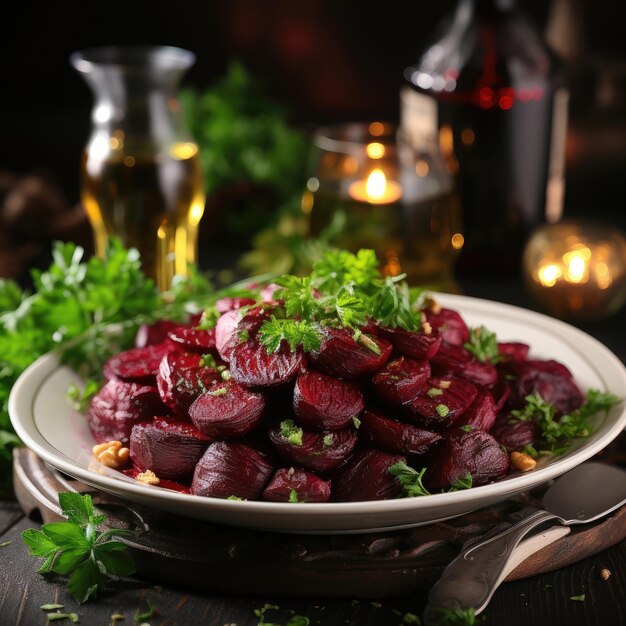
{"x":471,"y":579}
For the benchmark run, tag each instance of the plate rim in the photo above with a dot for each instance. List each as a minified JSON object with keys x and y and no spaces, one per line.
{"x":20,"y":401}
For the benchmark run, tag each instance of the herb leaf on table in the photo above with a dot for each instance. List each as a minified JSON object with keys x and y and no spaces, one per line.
{"x":75,"y":548}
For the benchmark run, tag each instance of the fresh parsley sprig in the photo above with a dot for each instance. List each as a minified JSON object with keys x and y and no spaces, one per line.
{"x":557,"y":433}
{"x":410,"y":479}
{"x":483,"y":344}
{"x":295,"y":332}
{"x":75,"y":548}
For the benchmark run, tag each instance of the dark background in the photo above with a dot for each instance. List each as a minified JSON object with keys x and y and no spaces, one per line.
{"x":326,"y":60}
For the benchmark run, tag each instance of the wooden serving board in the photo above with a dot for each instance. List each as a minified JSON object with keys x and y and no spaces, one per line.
{"x":178,"y":550}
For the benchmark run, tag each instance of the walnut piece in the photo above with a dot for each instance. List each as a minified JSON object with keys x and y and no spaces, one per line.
{"x":522,"y":462}
{"x":427,"y":329}
{"x":148,"y":478}
{"x":433,"y":306}
{"x":111,"y":454}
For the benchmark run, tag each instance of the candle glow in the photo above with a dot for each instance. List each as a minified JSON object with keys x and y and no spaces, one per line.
{"x":376,"y":189}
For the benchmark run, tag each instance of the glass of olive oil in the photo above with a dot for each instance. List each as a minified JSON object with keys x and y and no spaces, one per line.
{"x":372,"y":189}
{"x":140,"y":174}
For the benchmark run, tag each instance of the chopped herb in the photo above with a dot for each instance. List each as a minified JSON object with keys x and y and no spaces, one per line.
{"x":51,"y":607}
{"x":260,"y":613}
{"x":293,"y":496}
{"x":225,"y":375}
{"x":222,"y":391}
{"x":328,"y":440}
{"x":547,"y":586}
{"x":530,"y":451}
{"x":457,"y":617}
{"x":76,"y":549}
{"x":357,"y":422}
{"x":434,"y":391}
{"x":55,"y":617}
{"x":208,"y":360}
{"x":234,"y":498}
{"x":483,"y":344}
{"x":467,"y":428}
{"x":442,"y":410}
{"x":221,"y":368}
{"x":243,"y":336}
{"x":4,"y":544}
{"x":411,"y":618}
{"x":410,"y":479}
{"x":580,"y":598}
{"x":208,"y":319}
{"x":367,"y":342}
{"x":291,"y":432}
{"x":80,"y":399}
{"x":376,"y":605}
{"x":295,"y":332}
{"x":142,"y":617}
{"x":465,"y":482}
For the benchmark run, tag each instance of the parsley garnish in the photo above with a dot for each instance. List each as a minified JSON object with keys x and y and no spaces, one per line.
{"x":222,"y":391}
{"x":142,"y":617}
{"x":76,"y":549}
{"x":483,"y":344}
{"x":580,"y":598}
{"x":80,"y":399}
{"x":293,"y":496}
{"x":467,"y":428}
{"x":208,"y":360}
{"x":410,"y":479}
{"x":433,"y":392}
{"x":328,"y":440}
{"x":295,"y":332}
{"x":465,"y":482}
{"x":291,"y":432}
{"x":457,"y":617}
{"x":357,"y":422}
{"x":442,"y":410}
{"x":557,"y":434}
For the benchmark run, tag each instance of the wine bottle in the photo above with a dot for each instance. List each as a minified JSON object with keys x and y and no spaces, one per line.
{"x":492,"y":90}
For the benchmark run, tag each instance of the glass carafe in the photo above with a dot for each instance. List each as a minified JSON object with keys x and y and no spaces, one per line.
{"x":140,"y":174}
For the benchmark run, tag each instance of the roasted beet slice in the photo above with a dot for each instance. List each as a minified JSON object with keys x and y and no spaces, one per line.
{"x":231,"y":468}
{"x":514,"y":434}
{"x":137,"y":365}
{"x":443,"y":401}
{"x":340,"y":355}
{"x":401,"y":380}
{"x":450,"y":325}
{"x":223,"y":305}
{"x":320,"y":452}
{"x":118,"y":406}
{"x":366,"y":477}
{"x":458,"y":361}
{"x":151,"y":334}
{"x":227,"y":410}
{"x":252,"y":366}
{"x":482,"y":412}
{"x":164,"y":483}
{"x":234,"y":328}
{"x":296,"y":485}
{"x":182,"y":378}
{"x":384,"y":433}
{"x":322,"y":402}
{"x":169,"y":448}
{"x":415,"y":345}
{"x":551,"y":379}
{"x":514,"y":350}
{"x":193,"y":339}
{"x":475,"y":452}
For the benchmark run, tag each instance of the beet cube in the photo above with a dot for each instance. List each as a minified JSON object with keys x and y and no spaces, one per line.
{"x":482,"y":412}
{"x":137,"y":365}
{"x":458,"y":361}
{"x":514,"y":434}
{"x":451,"y":326}
{"x":401,"y":380}
{"x":513,"y":350}
{"x":322,"y":402}
{"x":296,"y":485}
{"x":415,"y":345}
{"x":230,"y":468}
{"x":169,"y":448}
{"x":443,"y":401}
{"x":118,"y":406}
{"x":193,"y":339}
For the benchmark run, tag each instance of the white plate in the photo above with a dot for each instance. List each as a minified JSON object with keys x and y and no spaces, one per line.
{"x":45,"y":422}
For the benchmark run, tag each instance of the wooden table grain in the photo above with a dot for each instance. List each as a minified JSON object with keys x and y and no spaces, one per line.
{"x":536,"y":601}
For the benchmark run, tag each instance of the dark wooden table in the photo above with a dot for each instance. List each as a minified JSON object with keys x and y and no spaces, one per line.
{"x":537,"y":601}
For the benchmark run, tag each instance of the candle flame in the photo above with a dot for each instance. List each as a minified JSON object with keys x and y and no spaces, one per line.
{"x":376,"y":184}
{"x":576,"y":262}
{"x":548,"y":274}
{"x":375,"y":150}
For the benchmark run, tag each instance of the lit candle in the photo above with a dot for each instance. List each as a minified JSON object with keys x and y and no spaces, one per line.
{"x":577,"y":272}
{"x":376,"y":189}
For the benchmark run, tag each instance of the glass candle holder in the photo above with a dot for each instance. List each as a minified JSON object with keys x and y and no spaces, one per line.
{"x":577,"y":270}
{"x":370,"y":189}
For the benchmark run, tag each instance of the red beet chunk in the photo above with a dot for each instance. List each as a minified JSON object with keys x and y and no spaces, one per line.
{"x":419,"y":346}
{"x":182,"y":378}
{"x":500,"y":392}
{"x":458,"y":361}
{"x":443,"y":400}
{"x":340,"y":355}
{"x":227,"y":410}
{"x":514,"y":350}
{"x":551,"y":379}
{"x":307,"y":487}
{"x":223,"y":305}
{"x":450,"y":325}
{"x":169,"y":448}
{"x":231,"y":468}
{"x":476,"y":452}
{"x":320,"y":452}
{"x":164,"y":483}
{"x":118,"y":406}
{"x":482,"y":412}
{"x":366,"y":477}
{"x":233,"y":328}
{"x":137,"y":365}
{"x":514,"y":434}
{"x":151,"y":334}
{"x":389,"y":434}
{"x":322,"y":402}
{"x":401,"y":380}
{"x":192,"y":339}
{"x":252,"y":366}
